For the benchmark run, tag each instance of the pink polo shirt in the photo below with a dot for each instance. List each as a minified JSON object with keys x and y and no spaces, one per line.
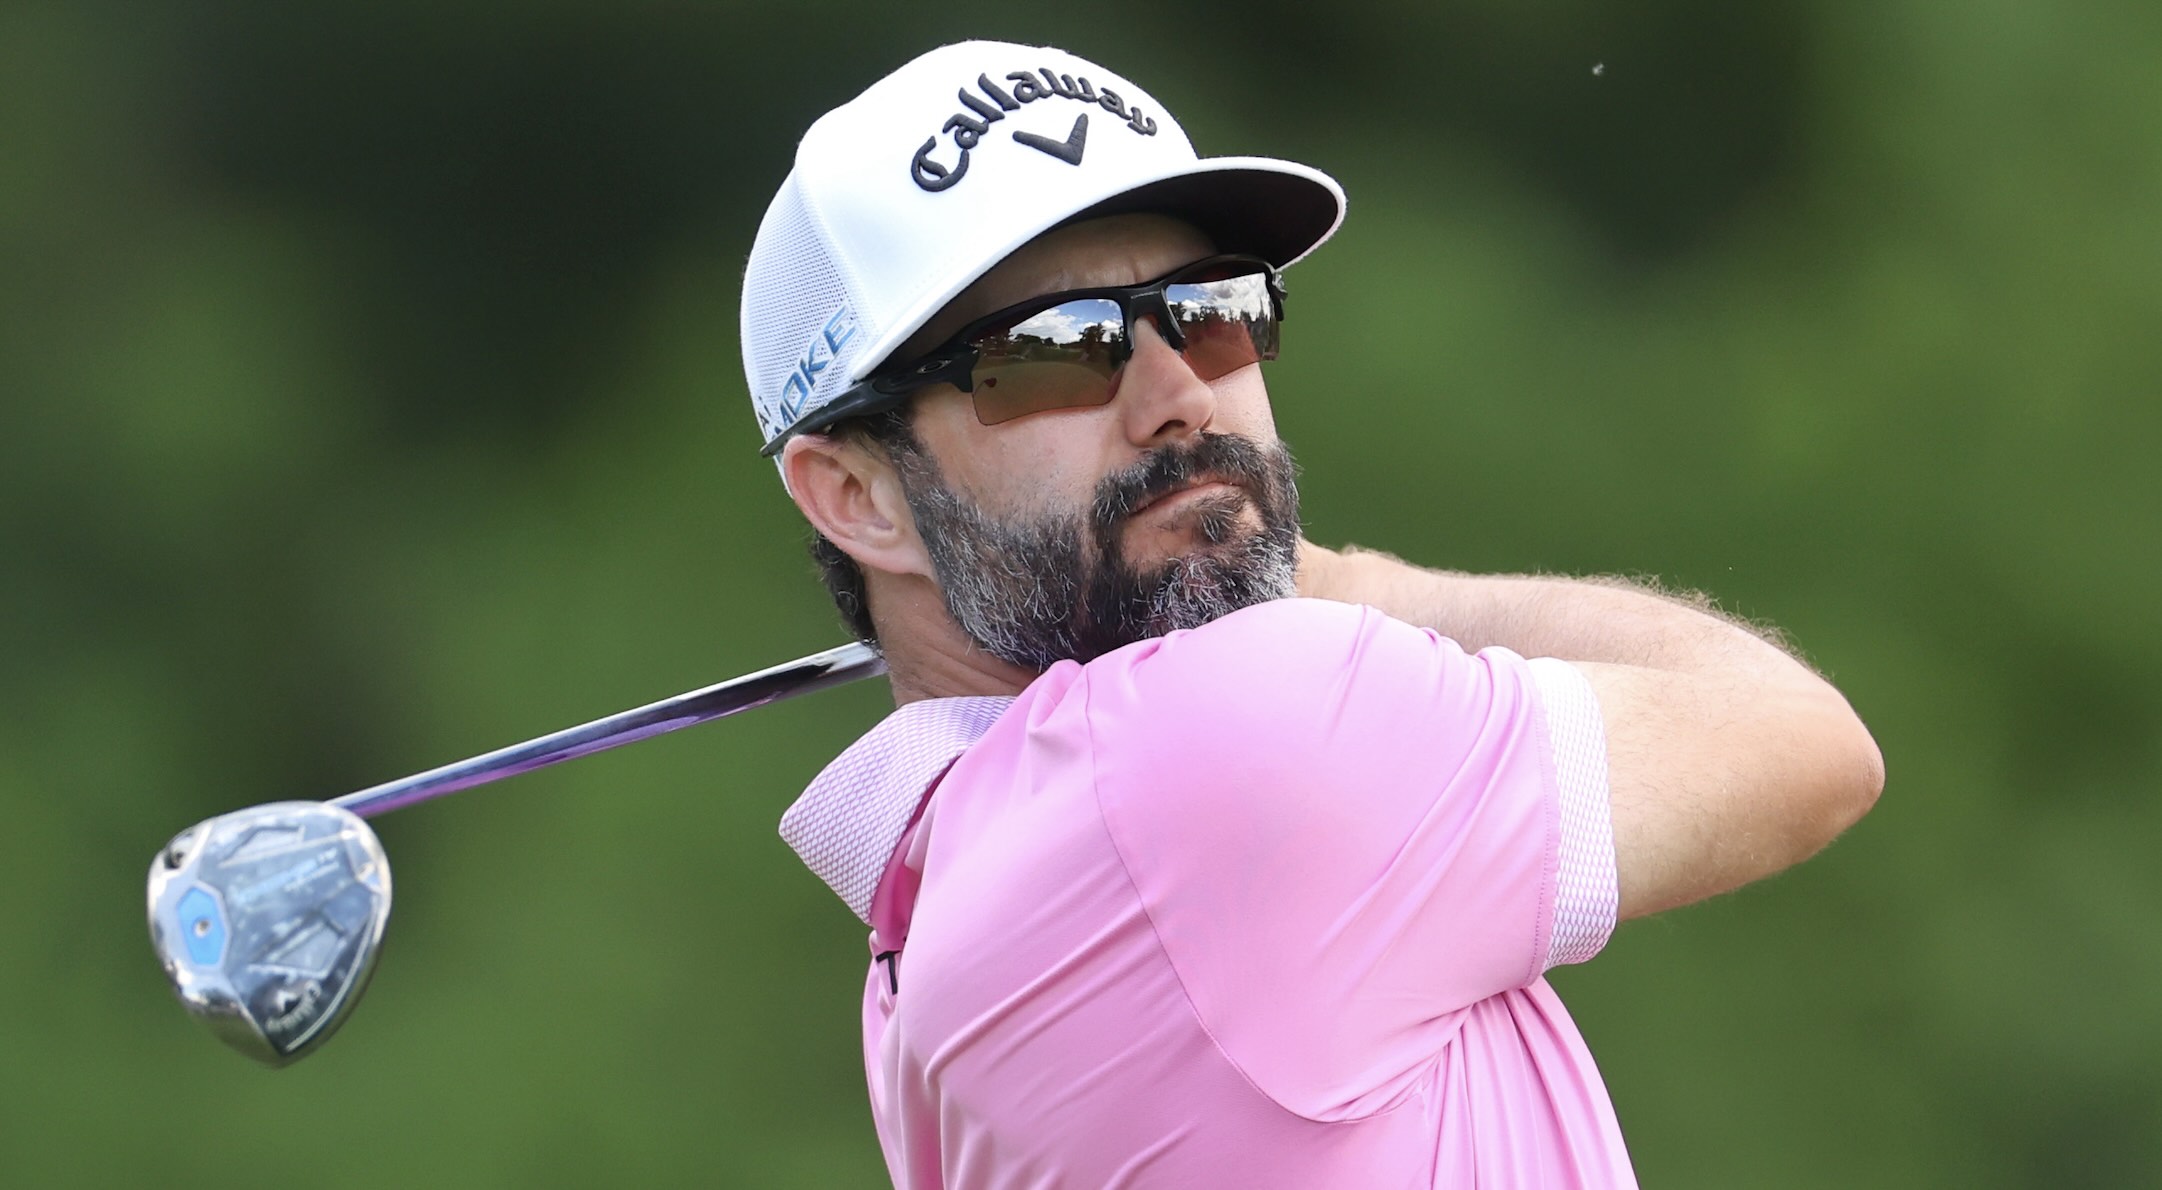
{"x":1264,"y":903}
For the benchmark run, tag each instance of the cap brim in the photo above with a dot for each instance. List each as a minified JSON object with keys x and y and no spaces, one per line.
{"x":1277,"y":210}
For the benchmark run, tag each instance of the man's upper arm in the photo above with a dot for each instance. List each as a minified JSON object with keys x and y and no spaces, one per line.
{"x":1717,"y":781}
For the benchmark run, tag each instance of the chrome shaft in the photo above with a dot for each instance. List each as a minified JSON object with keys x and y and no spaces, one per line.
{"x":818,"y":671}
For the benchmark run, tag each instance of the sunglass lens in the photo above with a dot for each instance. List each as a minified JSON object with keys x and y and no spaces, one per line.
{"x":1065,"y":357}
{"x":1228,"y":323}
{"x":1060,"y":358}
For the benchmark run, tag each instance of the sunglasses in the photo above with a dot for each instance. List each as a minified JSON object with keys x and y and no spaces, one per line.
{"x":1063,"y":350}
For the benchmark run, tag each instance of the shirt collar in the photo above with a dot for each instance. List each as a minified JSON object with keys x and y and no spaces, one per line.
{"x":846,"y":824}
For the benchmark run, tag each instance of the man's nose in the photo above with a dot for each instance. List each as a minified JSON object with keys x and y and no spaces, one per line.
{"x":1159,"y":397}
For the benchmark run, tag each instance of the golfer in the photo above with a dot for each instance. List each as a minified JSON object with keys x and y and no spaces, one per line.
{"x":1197,"y":854}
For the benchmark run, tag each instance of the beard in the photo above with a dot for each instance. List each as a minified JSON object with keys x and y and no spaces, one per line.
{"x":1037,"y":589}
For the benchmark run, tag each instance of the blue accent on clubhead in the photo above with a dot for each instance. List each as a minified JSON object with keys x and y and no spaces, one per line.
{"x":202,"y":927}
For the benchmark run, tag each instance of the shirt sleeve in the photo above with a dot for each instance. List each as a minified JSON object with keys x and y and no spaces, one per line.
{"x":1346,"y":831}
{"x":1587,"y":892}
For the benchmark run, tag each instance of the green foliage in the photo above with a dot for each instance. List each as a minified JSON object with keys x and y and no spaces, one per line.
{"x":372,"y":398}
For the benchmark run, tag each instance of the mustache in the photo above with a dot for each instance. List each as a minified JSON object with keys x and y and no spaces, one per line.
{"x":1227,"y":457}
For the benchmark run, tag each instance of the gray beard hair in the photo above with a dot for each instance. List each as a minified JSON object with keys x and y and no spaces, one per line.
{"x":1033,"y":591}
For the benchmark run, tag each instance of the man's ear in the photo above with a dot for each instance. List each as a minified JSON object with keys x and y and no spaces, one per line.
{"x":853,"y":497}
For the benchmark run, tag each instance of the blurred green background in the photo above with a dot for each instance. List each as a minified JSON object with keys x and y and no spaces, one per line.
{"x":370,"y":397}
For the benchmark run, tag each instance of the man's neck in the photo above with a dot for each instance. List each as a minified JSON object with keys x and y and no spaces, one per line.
{"x":927,"y":654}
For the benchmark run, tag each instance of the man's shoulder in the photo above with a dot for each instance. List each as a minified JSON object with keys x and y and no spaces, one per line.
{"x":1279,"y":638}
{"x":1289,"y":696}
{"x":1324,"y":618}
{"x":1250,"y":653}
{"x":1258,"y":687}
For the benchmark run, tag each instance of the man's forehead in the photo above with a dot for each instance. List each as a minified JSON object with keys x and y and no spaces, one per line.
{"x":1112,"y":250}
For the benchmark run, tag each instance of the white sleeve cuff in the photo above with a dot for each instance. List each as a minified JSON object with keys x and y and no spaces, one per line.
{"x":1587,"y":891}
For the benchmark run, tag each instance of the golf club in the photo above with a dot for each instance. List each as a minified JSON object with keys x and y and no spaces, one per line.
{"x":268,"y":920}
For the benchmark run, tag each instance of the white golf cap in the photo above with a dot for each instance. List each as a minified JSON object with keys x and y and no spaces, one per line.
{"x":903,"y":196}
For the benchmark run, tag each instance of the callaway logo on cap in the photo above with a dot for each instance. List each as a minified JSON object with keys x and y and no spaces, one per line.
{"x":906,"y":194}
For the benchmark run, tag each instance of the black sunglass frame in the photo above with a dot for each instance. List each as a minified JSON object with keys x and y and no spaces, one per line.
{"x":954,"y":361}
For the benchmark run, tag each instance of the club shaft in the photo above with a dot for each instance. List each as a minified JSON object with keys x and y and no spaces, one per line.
{"x":819,"y":671}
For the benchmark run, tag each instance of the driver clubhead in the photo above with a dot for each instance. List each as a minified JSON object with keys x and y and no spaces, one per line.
{"x":267,"y":921}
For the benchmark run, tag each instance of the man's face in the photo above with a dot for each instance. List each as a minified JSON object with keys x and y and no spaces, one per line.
{"x":1069,"y":533}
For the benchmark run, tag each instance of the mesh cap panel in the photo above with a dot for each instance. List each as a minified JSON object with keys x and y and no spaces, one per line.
{"x":800,"y":329}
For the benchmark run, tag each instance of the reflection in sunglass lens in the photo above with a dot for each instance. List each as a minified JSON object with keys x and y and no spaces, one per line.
{"x":1228,"y":324}
{"x":1060,"y":358}
{"x":1065,"y":357}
